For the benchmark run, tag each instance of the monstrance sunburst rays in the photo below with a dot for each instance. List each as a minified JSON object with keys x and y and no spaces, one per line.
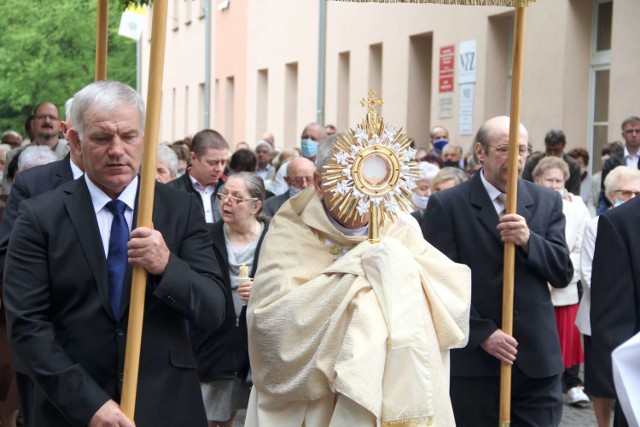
{"x":373,"y":171}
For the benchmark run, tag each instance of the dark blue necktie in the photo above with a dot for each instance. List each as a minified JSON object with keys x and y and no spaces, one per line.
{"x":117,"y":258}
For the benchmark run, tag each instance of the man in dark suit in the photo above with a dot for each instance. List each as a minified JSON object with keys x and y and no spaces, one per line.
{"x":205,"y":178}
{"x":299,"y":176}
{"x":28,"y":184}
{"x":67,"y":299}
{"x":628,"y":157}
{"x":465,"y":224}
{"x":615,"y":293}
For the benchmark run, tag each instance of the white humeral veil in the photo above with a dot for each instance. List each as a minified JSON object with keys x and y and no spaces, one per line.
{"x":626,"y":376}
{"x":360,"y":338}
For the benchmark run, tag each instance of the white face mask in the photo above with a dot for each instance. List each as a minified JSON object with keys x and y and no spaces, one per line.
{"x":563,"y":192}
{"x":617,"y":203}
{"x":420,"y":202}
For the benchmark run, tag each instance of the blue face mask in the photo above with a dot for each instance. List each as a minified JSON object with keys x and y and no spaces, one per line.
{"x":309,"y":148}
{"x":617,"y":203}
{"x":440,"y":143}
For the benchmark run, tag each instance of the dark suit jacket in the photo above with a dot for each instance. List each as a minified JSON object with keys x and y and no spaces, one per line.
{"x":28,"y":184}
{"x":223,"y":353}
{"x":461,"y":222}
{"x":272,"y":204}
{"x":61,"y":324}
{"x":615,"y":289}
{"x":184,"y":183}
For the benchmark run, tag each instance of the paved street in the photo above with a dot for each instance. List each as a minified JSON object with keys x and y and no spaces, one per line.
{"x":571,"y":417}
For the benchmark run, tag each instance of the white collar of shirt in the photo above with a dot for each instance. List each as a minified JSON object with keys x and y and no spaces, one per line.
{"x":493,"y":193}
{"x":631,"y":160}
{"x":104,"y":217}
{"x":201,"y":188}
{"x":628,"y":155}
{"x":75,"y":170}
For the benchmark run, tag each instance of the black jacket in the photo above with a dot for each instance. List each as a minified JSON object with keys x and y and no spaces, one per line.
{"x":184,"y":183}
{"x":223,"y":353}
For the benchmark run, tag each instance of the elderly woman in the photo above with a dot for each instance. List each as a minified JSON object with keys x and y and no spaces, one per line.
{"x":222,"y":355}
{"x":166,"y":164}
{"x":448,"y":177}
{"x":423,"y":188}
{"x":552,"y":172}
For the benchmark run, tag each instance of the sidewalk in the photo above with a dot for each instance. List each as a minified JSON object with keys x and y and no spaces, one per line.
{"x":571,"y":417}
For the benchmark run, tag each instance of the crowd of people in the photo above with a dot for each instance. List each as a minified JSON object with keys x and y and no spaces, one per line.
{"x":262,"y":295}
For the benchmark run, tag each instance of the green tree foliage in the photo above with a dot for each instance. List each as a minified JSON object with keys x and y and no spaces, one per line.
{"x":47,"y":53}
{"x":126,"y":3}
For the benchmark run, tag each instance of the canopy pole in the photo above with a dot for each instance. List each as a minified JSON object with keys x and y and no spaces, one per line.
{"x":102,"y":32}
{"x":145,"y":204}
{"x":512,"y":197}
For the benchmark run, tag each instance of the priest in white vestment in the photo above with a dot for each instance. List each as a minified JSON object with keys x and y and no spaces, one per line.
{"x":343,"y":332}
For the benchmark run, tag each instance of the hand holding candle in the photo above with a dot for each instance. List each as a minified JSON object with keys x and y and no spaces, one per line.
{"x":244,"y":286}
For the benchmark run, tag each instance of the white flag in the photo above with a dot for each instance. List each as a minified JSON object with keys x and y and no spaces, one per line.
{"x":131,"y":24}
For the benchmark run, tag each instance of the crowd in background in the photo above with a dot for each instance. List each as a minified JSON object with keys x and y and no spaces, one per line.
{"x":239,"y":191}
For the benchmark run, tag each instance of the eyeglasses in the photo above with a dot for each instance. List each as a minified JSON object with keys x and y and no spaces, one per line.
{"x":301,"y":180}
{"x":234,"y":200}
{"x":632,"y":131}
{"x":46,"y":116}
{"x":503,"y":150}
{"x":627,"y":193}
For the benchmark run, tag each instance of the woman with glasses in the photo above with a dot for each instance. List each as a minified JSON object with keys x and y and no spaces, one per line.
{"x":222,"y":355}
{"x":553,"y":173}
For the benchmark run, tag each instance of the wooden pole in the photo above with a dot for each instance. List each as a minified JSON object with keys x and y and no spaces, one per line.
{"x":102,"y":32}
{"x":145,"y":204}
{"x":512,"y":197}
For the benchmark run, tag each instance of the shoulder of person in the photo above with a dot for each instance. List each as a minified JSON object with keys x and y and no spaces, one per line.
{"x":172,"y":192}
{"x":180,"y":183}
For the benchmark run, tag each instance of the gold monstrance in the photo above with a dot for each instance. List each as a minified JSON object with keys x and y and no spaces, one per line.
{"x":373,"y":171}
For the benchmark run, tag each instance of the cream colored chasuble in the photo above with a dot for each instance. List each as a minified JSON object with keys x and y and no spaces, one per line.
{"x":355,"y":340}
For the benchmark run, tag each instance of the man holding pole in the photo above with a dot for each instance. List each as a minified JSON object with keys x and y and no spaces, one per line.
{"x":67,"y":281}
{"x":468,"y":225}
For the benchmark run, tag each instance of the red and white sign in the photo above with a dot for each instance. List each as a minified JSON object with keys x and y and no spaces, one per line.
{"x":446,"y":71}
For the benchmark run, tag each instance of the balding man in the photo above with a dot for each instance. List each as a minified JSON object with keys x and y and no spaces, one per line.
{"x":467,"y":223}
{"x":299,"y":176}
{"x":46,"y":128}
{"x":264,"y":155}
{"x":11,"y":138}
{"x":312,"y":136}
{"x":439,"y":138}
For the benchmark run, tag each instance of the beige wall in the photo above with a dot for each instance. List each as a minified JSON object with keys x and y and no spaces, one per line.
{"x":231,"y":70}
{"x":625,"y":67}
{"x":182,"y":109}
{"x":270,"y":47}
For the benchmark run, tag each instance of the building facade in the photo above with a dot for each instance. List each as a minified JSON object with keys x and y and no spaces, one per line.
{"x":276,"y":65}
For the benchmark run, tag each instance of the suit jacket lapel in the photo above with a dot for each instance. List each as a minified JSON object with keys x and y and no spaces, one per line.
{"x":525,"y":201}
{"x":63,"y":172}
{"x":219,"y":245}
{"x":126,"y":291}
{"x":485,"y":211}
{"x":80,"y":210}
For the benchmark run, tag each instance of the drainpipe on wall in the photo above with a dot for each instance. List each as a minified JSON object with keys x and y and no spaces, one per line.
{"x":322,"y":39}
{"x":207,"y":63}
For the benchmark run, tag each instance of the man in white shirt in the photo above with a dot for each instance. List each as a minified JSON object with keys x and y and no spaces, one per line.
{"x":205,"y":177}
